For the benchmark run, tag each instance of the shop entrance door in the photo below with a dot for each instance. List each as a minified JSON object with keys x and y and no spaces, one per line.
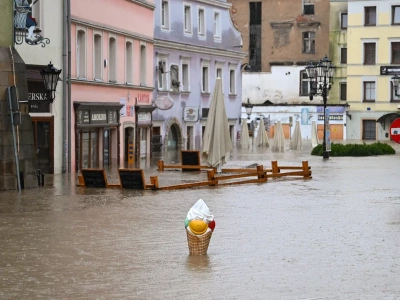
{"x":106,"y":148}
{"x":43,"y":135}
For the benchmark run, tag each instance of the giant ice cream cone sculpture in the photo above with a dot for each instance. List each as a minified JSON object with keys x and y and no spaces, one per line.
{"x":199,"y":224}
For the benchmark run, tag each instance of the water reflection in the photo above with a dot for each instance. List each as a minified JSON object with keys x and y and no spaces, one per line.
{"x":198,"y":263}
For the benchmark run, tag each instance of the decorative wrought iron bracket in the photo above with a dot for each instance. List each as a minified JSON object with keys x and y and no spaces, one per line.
{"x":20,"y":36}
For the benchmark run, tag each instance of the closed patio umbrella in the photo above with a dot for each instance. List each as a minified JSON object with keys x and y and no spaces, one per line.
{"x":244,"y":140}
{"x":216,"y":140}
{"x":279,"y":138}
{"x":296,"y":142}
{"x":262,"y":138}
{"x":314,"y":134}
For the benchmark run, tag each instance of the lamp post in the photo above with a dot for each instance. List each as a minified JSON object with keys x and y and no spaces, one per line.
{"x":50,"y":77}
{"x":249,"y":108}
{"x":321,"y":80}
{"x":396,"y":83}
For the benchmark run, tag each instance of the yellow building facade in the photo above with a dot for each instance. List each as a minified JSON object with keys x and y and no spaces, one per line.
{"x":373,"y":58}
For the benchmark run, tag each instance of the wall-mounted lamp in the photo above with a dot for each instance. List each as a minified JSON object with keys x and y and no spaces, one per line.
{"x":50,"y":77}
{"x":396,"y":83}
{"x":348,"y":111}
{"x":246,"y":67}
{"x":249,"y":108}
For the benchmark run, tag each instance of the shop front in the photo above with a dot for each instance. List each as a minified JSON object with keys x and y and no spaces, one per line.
{"x":43,"y":122}
{"x":97,"y":135}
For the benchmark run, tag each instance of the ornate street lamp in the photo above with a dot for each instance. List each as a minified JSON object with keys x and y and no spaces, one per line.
{"x":50,"y":77}
{"x":321,"y":80}
{"x":396,"y":83}
{"x":249,"y":108}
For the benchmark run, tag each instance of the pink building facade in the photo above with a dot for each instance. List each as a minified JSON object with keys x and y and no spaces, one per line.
{"x":111,"y":82}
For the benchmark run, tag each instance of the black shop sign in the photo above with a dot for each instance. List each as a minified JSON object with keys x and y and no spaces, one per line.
{"x":38,"y":98}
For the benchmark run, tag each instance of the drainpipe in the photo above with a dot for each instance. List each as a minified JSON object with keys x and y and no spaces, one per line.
{"x":64,"y":82}
{"x":69,"y":83}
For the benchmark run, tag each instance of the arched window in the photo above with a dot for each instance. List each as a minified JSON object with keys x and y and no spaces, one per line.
{"x":81,"y":54}
{"x":112,"y":75}
{"x":128,"y":62}
{"x":97,"y":58}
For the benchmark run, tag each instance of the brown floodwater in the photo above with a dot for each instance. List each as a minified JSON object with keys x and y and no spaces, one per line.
{"x":335,"y":236}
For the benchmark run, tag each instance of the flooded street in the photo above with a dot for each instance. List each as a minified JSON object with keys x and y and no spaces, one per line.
{"x":335,"y":236}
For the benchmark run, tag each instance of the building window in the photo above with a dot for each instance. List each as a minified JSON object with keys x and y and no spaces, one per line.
{"x":162,"y":75}
{"x":393,"y":97}
{"x":308,"y":7}
{"x":185,"y":77}
{"x":309,"y":42}
{"x":143,"y":65}
{"x":202,"y":21}
{"x":304,"y":84}
{"x":165,"y":14}
{"x":232,"y":82}
{"x":369,"y":53}
{"x":128,"y":62}
{"x":188,"y":19}
{"x":255,"y":36}
{"x":343,"y":55}
{"x":218,"y":74}
{"x":343,"y":91}
{"x":112,"y":67}
{"x":217,"y":25}
{"x":205,"y":79}
{"x":369,"y":91}
{"x":81,"y":54}
{"x":370,"y":16}
{"x":343,"y":20}
{"x":174,"y":76}
{"x":34,"y":11}
{"x":396,"y":15}
{"x":395,"y":53}
{"x":369,"y":130}
{"x":97,"y":58}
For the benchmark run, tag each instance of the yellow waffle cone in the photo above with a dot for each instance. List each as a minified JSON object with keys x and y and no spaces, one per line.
{"x":198,"y":244}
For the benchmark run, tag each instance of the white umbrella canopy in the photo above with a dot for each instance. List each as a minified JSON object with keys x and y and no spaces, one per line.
{"x":216,"y":140}
{"x":262,"y":138}
{"x":279,"y":138}
{"x":314,"y":134}
{"x":244,"y":139}
{"x":296,"y":142}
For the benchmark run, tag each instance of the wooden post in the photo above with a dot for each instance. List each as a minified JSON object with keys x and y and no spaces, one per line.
{"x":306,"y":169}
{"x":160,"y":165}
{"x":260,"y":171}
{"x":275,"y":168}
{"x":154,"y":181}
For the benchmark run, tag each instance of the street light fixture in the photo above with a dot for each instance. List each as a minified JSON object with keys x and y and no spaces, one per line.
{"x":348,"y":111}
{"x":50,"y":77}
{"x":249,"y":108}
{"x":321,"y":80}
{"x":396,"y":83}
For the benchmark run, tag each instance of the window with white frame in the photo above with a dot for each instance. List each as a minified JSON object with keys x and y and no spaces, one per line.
{"x":217,"y":24}
{"x":232,"y":81}
{"x":165,"y":14}
{"x":162,"y":73}
{"x":143,"y":65}
{"x":218,"y":74}
{"x":343,"y":20}
{"x":393,"y":96}
{"x":370,"y":53}
{"x":81,"y":54}
{"x":370,"y":15}
{"x":112,"y":67}
{"x":185,"y":84}
{"x":369,"y":91}
{"x":309,"y":42}
{"x":396,"y":15}
{"x":188,"y":18}
{"x":128,"y":62}
{"x":201,"y":22}
{"x":395,"y":59}
{"x":205,"y":77}
{"x":174,"y":76}
{"x":97,"y":57}
{"x":304,"y":84}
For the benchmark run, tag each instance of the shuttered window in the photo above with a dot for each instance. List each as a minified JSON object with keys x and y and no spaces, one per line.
{"x":369,"y":53}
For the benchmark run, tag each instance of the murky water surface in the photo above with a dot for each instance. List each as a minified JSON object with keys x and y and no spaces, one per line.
{"x":335,"y":236}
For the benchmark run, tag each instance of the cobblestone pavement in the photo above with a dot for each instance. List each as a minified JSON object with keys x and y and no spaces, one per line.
{"x":335,"y":236}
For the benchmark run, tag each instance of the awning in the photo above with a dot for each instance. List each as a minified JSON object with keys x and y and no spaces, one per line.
{"x":389,"y":116}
